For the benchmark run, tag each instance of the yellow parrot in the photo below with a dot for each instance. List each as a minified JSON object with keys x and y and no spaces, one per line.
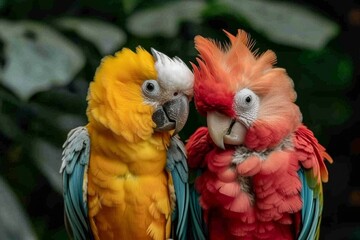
{"x":125,"y":172}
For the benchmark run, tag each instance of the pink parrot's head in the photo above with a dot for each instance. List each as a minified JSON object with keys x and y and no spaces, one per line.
{"x":247,"y":101}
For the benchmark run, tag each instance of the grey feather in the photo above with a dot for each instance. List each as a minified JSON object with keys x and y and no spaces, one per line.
{"x":75,"y":159}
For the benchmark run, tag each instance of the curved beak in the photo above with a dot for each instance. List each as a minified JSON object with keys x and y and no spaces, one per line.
{"x":172,"y":115}
{"x":225,"y":130}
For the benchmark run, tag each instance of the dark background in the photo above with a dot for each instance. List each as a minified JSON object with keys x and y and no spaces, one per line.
{"x":342,"y":196}
{"x":33,"y":128}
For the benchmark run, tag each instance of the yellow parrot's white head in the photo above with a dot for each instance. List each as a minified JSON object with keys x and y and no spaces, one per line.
{"x":170,"y":92}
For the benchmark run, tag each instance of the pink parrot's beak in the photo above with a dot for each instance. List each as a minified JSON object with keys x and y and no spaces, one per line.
{"x":224,"y":130}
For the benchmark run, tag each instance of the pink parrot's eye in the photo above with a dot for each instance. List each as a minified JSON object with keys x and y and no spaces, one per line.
{"x":246,"y":106}
{"x":245,"y":99}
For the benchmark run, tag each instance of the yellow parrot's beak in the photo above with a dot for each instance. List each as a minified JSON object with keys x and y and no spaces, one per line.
{"x":172,"y":115}
{"x":225,"y":130}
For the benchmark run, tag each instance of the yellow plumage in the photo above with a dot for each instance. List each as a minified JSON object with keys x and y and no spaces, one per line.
{"x":128,"y":188}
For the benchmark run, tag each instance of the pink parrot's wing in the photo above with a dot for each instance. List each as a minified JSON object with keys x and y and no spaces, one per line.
{"x":198,"y":145}
{"x":312,"y":157}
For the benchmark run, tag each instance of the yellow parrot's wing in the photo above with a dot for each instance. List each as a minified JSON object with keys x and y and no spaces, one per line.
{"x":75,"y":159}
{"x":177,"y":166}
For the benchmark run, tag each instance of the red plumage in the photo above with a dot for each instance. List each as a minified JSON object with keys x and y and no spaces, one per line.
{"x":252,"y":190}
{"x":276,"y":189}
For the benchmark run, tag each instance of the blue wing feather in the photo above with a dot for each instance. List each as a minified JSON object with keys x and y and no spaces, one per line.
{"x":313,"y":233}
{"x":177,"y":166}
{"x":75,"y":159}
{"x":198,"y":226}
{"x":310,"y":212}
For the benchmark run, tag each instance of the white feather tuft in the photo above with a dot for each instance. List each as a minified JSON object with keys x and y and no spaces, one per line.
{"x":173,"y":73}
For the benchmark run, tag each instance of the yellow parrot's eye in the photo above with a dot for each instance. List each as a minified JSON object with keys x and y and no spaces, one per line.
{"x":151,"y":88}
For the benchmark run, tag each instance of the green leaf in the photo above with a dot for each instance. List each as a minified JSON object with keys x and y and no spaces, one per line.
{"x":108,"y":7}
{"x":2,"y":3}
{"x":14,"y":223}
{"x":129,"y":5}
{"x":70,"y":121}
{"x":285,"y":22}
{"x":52,"y":124}
{"x":164,"y":20}
{"x":9,"y":105}
{"x":105,"y":36}
{"x":36,"y":58}
{"x":8,"y":127}
{"x":63,"y":100}
{"x":48,"y":159}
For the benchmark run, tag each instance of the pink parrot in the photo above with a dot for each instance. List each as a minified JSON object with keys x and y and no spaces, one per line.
{"x":259,"y":169}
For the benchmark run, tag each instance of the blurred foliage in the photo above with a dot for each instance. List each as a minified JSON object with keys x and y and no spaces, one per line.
{"x":49,"y":51}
